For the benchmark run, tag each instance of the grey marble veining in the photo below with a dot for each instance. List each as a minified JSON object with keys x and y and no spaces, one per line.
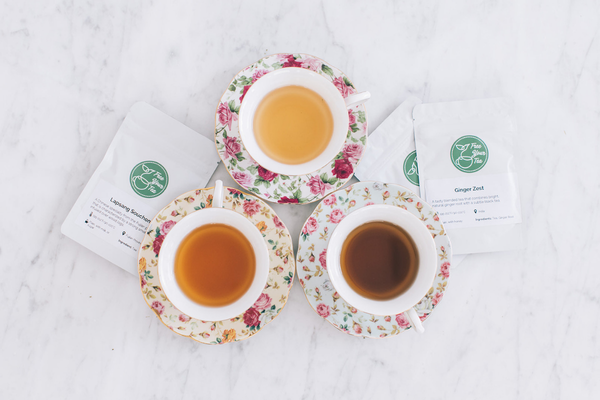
{"x":512,"y":325}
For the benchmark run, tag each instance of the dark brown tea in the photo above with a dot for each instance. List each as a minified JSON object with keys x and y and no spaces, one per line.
{"x":215,"y":265}
{"x":379,"y":260}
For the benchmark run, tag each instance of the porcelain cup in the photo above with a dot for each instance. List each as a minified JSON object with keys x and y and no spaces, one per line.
{"x":168,"y":251}
{"x":424,"y":244}
{"x":311,"y":80}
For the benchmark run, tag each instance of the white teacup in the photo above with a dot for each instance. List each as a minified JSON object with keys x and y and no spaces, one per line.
{"x":168,"y":250}
{"x":427,"y":267}
{"x":317,"y":83}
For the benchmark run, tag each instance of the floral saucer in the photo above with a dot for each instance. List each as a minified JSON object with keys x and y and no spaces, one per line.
{"x":312,"y":263}
{"x":274,"y":295}
{"x":297,"y":189}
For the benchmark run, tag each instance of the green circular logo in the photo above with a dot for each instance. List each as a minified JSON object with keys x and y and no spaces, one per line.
{"x":469,"y":154}
{"x":149,"y":179}
{"x":411,"y":168}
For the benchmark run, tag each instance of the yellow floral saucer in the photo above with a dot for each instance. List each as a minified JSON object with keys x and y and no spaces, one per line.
{"x":274,"y":295}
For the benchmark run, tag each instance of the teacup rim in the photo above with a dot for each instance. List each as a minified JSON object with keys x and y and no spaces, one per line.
{"x":227,"y":95}
{"x":340,"y":148}
{"x":333,"y":235}
{"x":167,"y":287}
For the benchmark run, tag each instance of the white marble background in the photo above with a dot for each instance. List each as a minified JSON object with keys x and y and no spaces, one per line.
{"x":512,"y":325}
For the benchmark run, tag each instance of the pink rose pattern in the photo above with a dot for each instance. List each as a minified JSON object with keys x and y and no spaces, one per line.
{"x":243,"y":178}
{"x":156,"y":245}
{"x":263,"y":302}
{"x":353,"y":152}
{"x":271,"y":186}
{"x":402,"y":321}
{"x":323,"y":310}
{"x":343,"y":168}
{"x":246,"y":88}
{"x":312,"y":63}
{"x":351,"y":118}
{"x":226,"y":116}
{"x":310,"y":226}
{"x":287,"y":200}
{"x":184,"y":318}
{"x":436,"y":298}
{"x":445,"y":270}
{"x":317,"y":186}
{"x":256,"y":75}
{"x":330,"y":200}
{"x":323,"y":259}
{"x":278,"y":223}
{"x":232,"y":147}
{"x":344,"y":89}
{"x":313,"y":252}
{"x":336,"y":216}
{"x":265,"y":308}
{"x":266,"y":174}
{"x":288,"y":60}
{"x":166,"y":227}
{"x":251,"y":207}
{"x":251,"y":317}
{"x":158,"y":307}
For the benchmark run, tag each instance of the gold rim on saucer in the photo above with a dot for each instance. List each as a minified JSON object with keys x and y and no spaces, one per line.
{"x":273,"y":297}
{"x":287,"y":189}
{"x":311,"y":260}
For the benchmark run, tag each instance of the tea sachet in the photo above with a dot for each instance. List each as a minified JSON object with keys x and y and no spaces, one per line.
{"x":152,"y":159}
{"x":390,"y":154}
{"x":467,"y":171}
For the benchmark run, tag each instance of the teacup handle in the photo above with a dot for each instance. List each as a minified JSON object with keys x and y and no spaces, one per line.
{"x":218,"y":195}
{"x":414,"y":320}
{"x":357,"y":98}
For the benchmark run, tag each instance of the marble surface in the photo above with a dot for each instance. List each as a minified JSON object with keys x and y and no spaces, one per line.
{"x":519,"y":324}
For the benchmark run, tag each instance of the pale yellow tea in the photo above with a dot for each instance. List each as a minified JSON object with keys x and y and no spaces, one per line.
{"x":215,"y":265}
{"x":293,"y":125}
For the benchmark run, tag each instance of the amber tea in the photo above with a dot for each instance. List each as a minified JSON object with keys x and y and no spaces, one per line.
{"x":379,"y":260}
{"x":215,"y":265}
{"x":293,"y":125}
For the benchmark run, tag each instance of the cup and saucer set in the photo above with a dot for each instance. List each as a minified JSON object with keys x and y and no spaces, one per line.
{"x":217,"y":264}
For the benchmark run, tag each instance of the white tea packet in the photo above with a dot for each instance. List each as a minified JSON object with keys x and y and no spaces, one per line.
{"x":467,"y":172}
{"x":390,"y":155}
{"x":152,"y":159}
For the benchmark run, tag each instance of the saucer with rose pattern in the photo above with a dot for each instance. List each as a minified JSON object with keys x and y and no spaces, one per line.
{"x":268,"y":185}
{"x":311,"y":259}
{"x":274,"y":295}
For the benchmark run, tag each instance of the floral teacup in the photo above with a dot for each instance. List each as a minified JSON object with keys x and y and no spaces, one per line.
{"x":168,"y":251}
{"x":427,"y":265}
{"x":337,"y":104}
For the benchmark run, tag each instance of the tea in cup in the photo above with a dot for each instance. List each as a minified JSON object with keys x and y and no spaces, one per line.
{"x":214,"y":263}
{"x":293,"y":121}
{"x":382,"y":260}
